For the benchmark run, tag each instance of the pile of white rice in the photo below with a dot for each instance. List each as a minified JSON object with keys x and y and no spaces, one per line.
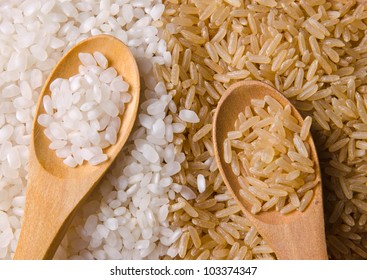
{"x":126,"y":218}
{"x":83,"y":113}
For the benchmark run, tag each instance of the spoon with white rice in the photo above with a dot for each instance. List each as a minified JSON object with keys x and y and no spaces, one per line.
{"x":86,"y":127}
{"x":269,"y":163}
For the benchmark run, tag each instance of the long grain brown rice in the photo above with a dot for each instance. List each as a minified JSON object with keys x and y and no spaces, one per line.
{"x":329,"y":64}
{"x":260,"y":187}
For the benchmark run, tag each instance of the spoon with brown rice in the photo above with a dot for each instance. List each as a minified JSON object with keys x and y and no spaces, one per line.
{"x":268,"y":161}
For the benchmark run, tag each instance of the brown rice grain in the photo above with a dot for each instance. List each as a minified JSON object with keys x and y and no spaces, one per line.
{"x":223,"y":53}
{"x":204,"y":255}
{"x":206,"y":204}
{"x":184,"y":240}
{"x":194,"y":236}
{"x":188,"y":208}
{"x":227,"y":237}
{"x":227,"y":211}
{"x":230,"y":229}
{"x":227,"y":153}
{"x":202,"y":132}
{"x":305,"y":129}
{"x":306,"y":200}
{"x":203,"y":223}
{"x":208,"y":11}
{"x":312,"y":70}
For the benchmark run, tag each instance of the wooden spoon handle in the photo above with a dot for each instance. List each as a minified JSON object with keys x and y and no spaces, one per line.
{"x":46,"y":218}
{"x":297,"y":241}
{"x":302,"y":238}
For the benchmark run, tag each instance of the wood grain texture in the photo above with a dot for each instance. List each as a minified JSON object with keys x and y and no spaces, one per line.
{"x":298,"y":235}
{"x":54,"y":190}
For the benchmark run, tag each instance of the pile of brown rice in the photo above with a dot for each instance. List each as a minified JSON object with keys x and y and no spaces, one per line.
{"x":314,"y":52}
{"x":269,"y":154}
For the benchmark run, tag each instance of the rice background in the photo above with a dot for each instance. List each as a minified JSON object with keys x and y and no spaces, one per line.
{"x":149,"y":204}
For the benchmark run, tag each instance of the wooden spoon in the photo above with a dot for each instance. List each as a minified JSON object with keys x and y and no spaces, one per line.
{"x":54,"y":190}
{"x":297,"y":235}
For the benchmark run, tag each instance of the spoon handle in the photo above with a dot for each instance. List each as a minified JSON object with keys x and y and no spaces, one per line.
{"x":297,"y":241}
{"x":300,"y":239}
{"x":46,"y":218}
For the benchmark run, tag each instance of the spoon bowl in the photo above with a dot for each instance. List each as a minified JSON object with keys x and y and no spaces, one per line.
{"x":297,"y":235}
{"x":54,"y":190}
